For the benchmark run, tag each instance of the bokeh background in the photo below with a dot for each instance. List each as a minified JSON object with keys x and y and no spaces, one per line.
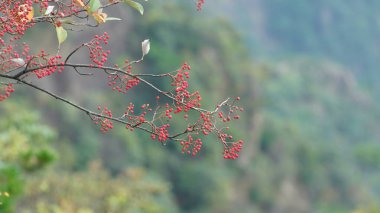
{"x":306,"y":71}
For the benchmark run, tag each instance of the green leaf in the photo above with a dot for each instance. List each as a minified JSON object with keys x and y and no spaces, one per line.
{"x":61,"y":34}
{"x":94,"y":5}
{"x":137,"y":6}
{"x":113,"y":19}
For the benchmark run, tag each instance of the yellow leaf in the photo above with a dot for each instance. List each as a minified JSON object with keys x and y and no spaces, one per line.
{"x":61,"y":34}
{"x":25,"y":13}
{"x":79,"y":2}
{"x":30,"y":15}
{"x":100,"y":17}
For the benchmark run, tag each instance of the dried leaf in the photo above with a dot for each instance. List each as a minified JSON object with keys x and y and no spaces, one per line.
{"x":145,"y":46}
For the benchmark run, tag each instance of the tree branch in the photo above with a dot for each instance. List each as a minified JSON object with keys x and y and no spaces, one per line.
{"x":89,"y":112}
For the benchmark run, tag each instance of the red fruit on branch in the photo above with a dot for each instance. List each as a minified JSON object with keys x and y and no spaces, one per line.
{"x":173,"y":104}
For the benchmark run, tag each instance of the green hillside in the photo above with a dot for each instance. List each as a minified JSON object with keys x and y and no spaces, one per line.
{"x":346,"y":32}
{"x":310,"y":125}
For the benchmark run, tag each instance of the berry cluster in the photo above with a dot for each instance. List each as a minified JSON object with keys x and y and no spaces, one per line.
{"x":191,"y":146}
{"x":6,"y":91}
{"x":207,"y":124}
{"x":231,"y":151}
{"x":200,"y":4}
{"x":105,"y":123}
{"x":16,"y":17}
{"x":10,"y":58}
{"x":123,"y":83}
{"x":135,"y":120}
{"x":208,"y":121}
{"x":162,"y":132}
{"x":48,"y":64}
{"x":97,"y":54}
{"x":184,"y":99}
{"x":16,"y":62}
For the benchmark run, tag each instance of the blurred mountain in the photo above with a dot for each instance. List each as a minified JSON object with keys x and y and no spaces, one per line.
{"x":345,"y":31}
{"x":310,"y":124}
{"x":319,"y":134}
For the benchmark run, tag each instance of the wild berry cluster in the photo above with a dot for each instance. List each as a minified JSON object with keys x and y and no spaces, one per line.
{"x":184,"y":99}
{"x":124,"y":81}
{"x":96,"y":52}
{"x":191,"y":146}
{"x":160,"y":120}
{"x":16,"y":17}
{"x":5,"y":91}
{"x":45,"y":64}
{"x":200,"y":4}
{"x":105,"y":121}
{"x":232,"y":151}
{"x":135,"y":120}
